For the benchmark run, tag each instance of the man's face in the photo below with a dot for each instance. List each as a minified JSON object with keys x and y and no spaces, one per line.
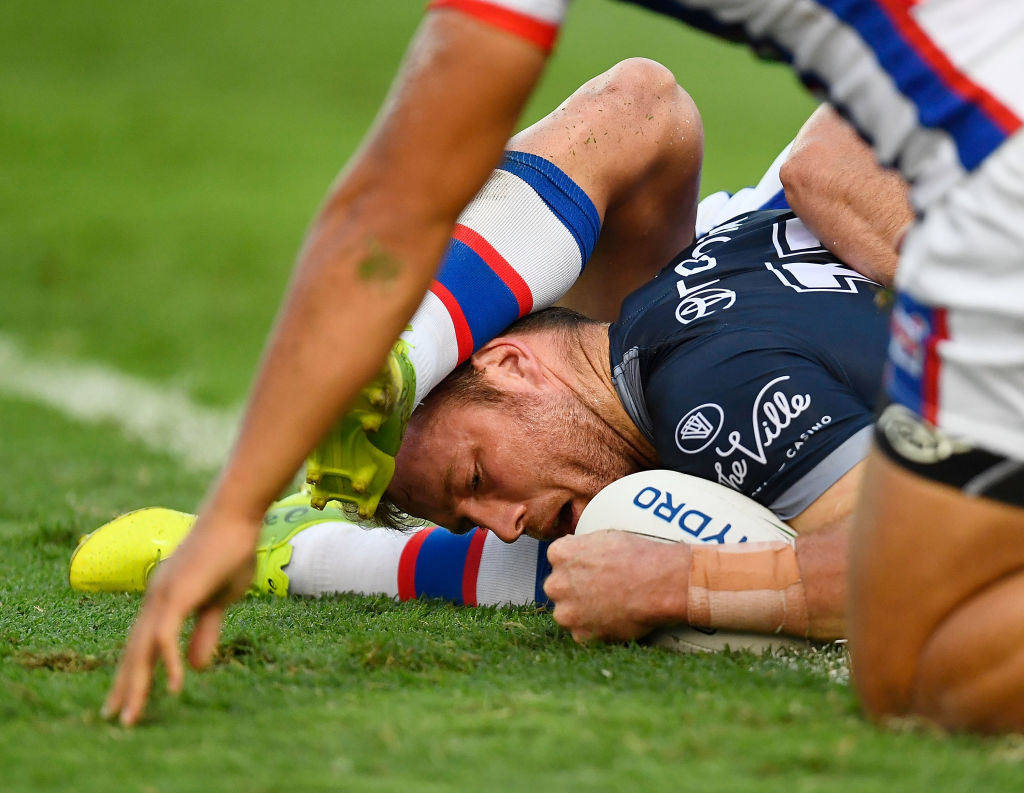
{"x":525,"y":467}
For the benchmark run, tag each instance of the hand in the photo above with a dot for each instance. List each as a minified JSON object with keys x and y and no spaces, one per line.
{"x":614,"y":585}
{"x":211,"y":569}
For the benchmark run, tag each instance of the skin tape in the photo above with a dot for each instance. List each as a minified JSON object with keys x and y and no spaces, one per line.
{"x":753,"y":587}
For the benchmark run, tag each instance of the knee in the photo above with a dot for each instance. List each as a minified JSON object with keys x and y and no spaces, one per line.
{"x":882,"y":682}
{"x":970,"y":672}
{"x":641,"y":93}
{"x":966,"y":674}
{"x":638,"y":80}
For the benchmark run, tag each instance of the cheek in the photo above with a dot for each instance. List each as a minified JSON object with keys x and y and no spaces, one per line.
{"x":515,"y":471}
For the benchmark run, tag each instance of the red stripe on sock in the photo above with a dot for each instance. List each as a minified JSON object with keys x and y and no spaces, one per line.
{"x":534,"y":30}
{"x":508,"y":275}
{"x":472,"y":568}
{"x":407,"y":564}
{"x":463,"y":335}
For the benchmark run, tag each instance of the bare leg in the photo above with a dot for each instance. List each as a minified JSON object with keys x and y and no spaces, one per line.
{"x":937,"y":603}
{"x":633,"y":140}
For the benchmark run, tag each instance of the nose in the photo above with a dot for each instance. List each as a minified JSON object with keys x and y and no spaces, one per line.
{"x":504,"y":519}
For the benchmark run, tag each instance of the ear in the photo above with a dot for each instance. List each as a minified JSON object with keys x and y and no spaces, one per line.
{"x":511,"y":363}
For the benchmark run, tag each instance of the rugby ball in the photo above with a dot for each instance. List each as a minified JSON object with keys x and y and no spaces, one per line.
{"x":672,"y":507}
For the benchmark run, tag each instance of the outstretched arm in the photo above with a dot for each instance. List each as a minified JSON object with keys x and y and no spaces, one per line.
{"x":362,"y":271}
{"x":616,"y":585}
{"x":857,"y":208}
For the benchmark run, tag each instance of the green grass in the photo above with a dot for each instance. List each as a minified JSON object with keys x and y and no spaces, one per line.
{"x":159,"y":162}
{"x":358,"y":694}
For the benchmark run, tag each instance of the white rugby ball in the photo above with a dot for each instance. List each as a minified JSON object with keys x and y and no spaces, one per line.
{"x":673,"y":507}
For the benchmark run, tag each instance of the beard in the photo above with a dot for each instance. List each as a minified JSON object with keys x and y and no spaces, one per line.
{"x":571,"y":438}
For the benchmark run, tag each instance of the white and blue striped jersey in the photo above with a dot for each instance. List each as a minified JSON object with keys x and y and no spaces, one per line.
{"x":915,"y":76}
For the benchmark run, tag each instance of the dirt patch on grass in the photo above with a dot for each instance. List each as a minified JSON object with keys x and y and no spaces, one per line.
{"x":64,"y":660}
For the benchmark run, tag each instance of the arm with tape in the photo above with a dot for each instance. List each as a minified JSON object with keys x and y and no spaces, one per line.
{"x":631,"y":569}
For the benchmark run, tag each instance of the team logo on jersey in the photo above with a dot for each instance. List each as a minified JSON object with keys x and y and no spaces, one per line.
{"x":819,"y":276}
{"x":698,"y":428}
{"x":793,"y":245}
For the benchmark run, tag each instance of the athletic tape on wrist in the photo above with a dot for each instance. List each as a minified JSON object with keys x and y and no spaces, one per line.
{"x":750,"y":587}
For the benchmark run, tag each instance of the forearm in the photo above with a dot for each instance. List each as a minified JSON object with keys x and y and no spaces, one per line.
{"x":618,"y":585}
{"x":854,"y":206}
{"x":771,"y":587}
{"x":372,"y":251}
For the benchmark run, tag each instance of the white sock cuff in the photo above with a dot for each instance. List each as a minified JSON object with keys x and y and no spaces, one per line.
{"x":336,"y":556}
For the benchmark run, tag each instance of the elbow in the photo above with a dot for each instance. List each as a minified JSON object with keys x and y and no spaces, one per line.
{"x":803,"y":177}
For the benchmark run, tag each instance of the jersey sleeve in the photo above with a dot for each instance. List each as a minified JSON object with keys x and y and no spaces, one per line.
{"x":536,"y":21}
{"x":780,"y":425}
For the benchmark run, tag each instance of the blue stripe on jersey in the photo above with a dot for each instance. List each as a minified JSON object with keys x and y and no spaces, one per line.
{"x":777,"y":201}
{"x":938,"y":105}
{"x":974,"y":132}
{"x":487,"y":303}
{"x":562,"y":195}
{"x":543,"y":571}
{"x":440,"y":565}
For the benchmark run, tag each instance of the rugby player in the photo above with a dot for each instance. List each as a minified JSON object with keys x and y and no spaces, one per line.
{"x":932,"y":84}
{"x":304,"y":552}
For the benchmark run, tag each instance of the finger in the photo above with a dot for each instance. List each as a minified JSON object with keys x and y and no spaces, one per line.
{"x":171,"y":656}
{"x":205,"y":635}
{"x":135,"y":674}
{"x":563,"y":615}
{"x":157,"y":642}
{"x":137,"y":639}
{"x":558,"y":552}
{"x":112,"y":704}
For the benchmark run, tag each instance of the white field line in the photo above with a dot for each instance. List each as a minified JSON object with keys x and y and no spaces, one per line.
{"x":163,"y":418}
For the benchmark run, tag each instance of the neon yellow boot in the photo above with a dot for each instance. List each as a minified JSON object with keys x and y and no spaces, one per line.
{"x":356,"y":459}
{"x":121,"y":555}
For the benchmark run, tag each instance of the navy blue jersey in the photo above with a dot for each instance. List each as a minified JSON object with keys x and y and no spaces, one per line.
{"x":754,"y":360}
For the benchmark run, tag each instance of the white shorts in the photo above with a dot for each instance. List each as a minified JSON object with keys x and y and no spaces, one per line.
{"x":957,"y":349}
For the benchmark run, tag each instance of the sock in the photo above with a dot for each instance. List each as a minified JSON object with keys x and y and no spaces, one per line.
{"x":475,"y":569}
{"x":337,"y":556}
{"x":516,"y":248}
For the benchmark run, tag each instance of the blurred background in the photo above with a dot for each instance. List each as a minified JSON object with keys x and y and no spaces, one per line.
{"x":160,"y":160}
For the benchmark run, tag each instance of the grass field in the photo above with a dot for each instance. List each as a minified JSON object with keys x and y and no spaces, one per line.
{"x":159,"y":164}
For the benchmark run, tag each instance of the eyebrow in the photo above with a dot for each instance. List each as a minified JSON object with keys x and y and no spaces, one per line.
{"x":460,"y":525}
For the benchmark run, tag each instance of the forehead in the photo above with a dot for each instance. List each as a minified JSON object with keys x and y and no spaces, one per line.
{"x":438,"y":452}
